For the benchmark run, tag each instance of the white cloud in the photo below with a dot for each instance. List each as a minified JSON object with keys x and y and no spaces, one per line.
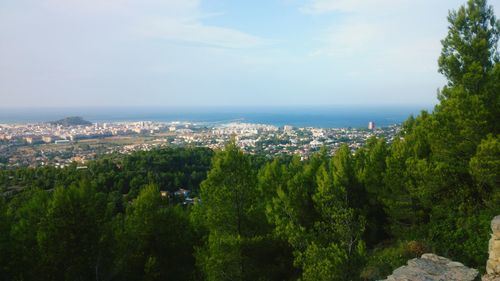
{"x":386,"y":46}
{"x":175,"y":20}
{"x":83,"y":52}
{"x":177,"y":8}
{"x":349,"y":6}
{"x":195,"y":32}
{"x":348,"y":39}
{"x":73,"y":52}
{"x":385,"y":35}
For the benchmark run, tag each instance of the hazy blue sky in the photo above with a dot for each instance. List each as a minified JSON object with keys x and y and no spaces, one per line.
{"x":220,"y":52}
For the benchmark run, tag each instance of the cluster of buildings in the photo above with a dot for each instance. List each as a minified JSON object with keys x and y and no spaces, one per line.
{"x":49,"y":133}
{"x":45,"y":144}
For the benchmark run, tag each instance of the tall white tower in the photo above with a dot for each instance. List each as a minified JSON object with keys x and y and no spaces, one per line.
{"x":371,"y":125}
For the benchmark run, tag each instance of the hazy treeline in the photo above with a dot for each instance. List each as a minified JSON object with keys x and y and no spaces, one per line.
{"x":73,"y":224}
{"x":353,"y":216}
{"x":169,"y":168}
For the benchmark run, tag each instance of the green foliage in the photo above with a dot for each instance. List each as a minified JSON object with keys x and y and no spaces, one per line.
{"x":485,"y":164}
{"x":5,"y":238}
{"x":27,"y":211}
{"x":353,"y":216}
{"x":71,"y":121}
{"x":441,"y":180}
{"x":385,"y":258}
{"x":168,"y":168}
{"x":237,"y":242}
{"x":70,"y":234}
{"x":371,"y":167}
{"x":155,"y":240}
{"x":317,"y":212}
{"x":75,"y":224}
{"x":323,"y":263}
{"x":470,"y":48}
{"x":229,"y":193}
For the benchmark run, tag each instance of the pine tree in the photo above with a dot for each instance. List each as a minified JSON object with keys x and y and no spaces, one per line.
{"x":70,"y":234}
{"x":155,"y":241}
{"x":231,"y":211}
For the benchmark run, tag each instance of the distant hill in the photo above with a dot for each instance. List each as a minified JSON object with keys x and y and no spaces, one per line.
{"x":71,"y":121}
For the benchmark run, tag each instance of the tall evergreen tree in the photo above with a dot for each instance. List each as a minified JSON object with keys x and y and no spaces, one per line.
{"x":155,"y":241}
{"x":317,"y":212}
{"x":27,"y":211}
{"x":231,"y":211}
{"x":371,"y":166}
{"x":70,"y":234}
{"x":433,"y":171}
{"x":5,"y":245}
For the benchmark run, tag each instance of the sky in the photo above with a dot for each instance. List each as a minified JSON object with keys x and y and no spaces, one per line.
{"x":70,"y":53}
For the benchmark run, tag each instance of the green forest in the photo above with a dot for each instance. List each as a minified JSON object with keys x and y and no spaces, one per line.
{"x":351,"y":216}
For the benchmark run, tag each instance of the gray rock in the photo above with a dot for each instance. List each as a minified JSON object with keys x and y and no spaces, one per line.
{"x":495,"y":226}
{"x":493,"y":267}
{"x":490,"y":278}
{"x":493,"y":263}
{"x":431,"y":267}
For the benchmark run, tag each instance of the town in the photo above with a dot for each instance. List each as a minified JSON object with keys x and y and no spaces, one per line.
{"x":40,"y":144}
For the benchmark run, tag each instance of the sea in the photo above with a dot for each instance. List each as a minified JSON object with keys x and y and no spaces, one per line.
{"x":298,"y":116}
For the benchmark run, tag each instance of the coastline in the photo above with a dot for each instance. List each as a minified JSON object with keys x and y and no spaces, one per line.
{"x":318,"y":117}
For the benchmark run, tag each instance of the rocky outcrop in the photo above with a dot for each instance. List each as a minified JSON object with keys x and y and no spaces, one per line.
{"x":490,"y":278}
{"x":493,"y":263}
{"x":431,"y":267}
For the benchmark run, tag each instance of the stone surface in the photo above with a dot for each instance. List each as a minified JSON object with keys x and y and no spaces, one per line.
{"x":431,"y":267}
{"x":493,"y":267}
{"x":493,"y":263}
{"x":494,"y":246}
{"x":495,"y":226}
{"x":490,"y":278}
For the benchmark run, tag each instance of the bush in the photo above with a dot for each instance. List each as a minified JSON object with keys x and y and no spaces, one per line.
{"x":384,"y":259}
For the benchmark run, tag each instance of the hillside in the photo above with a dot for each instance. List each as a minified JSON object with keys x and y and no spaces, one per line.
{"x":71,"y":121}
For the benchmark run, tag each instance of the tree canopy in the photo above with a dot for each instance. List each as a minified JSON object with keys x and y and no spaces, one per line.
{"x":355,"y":215}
